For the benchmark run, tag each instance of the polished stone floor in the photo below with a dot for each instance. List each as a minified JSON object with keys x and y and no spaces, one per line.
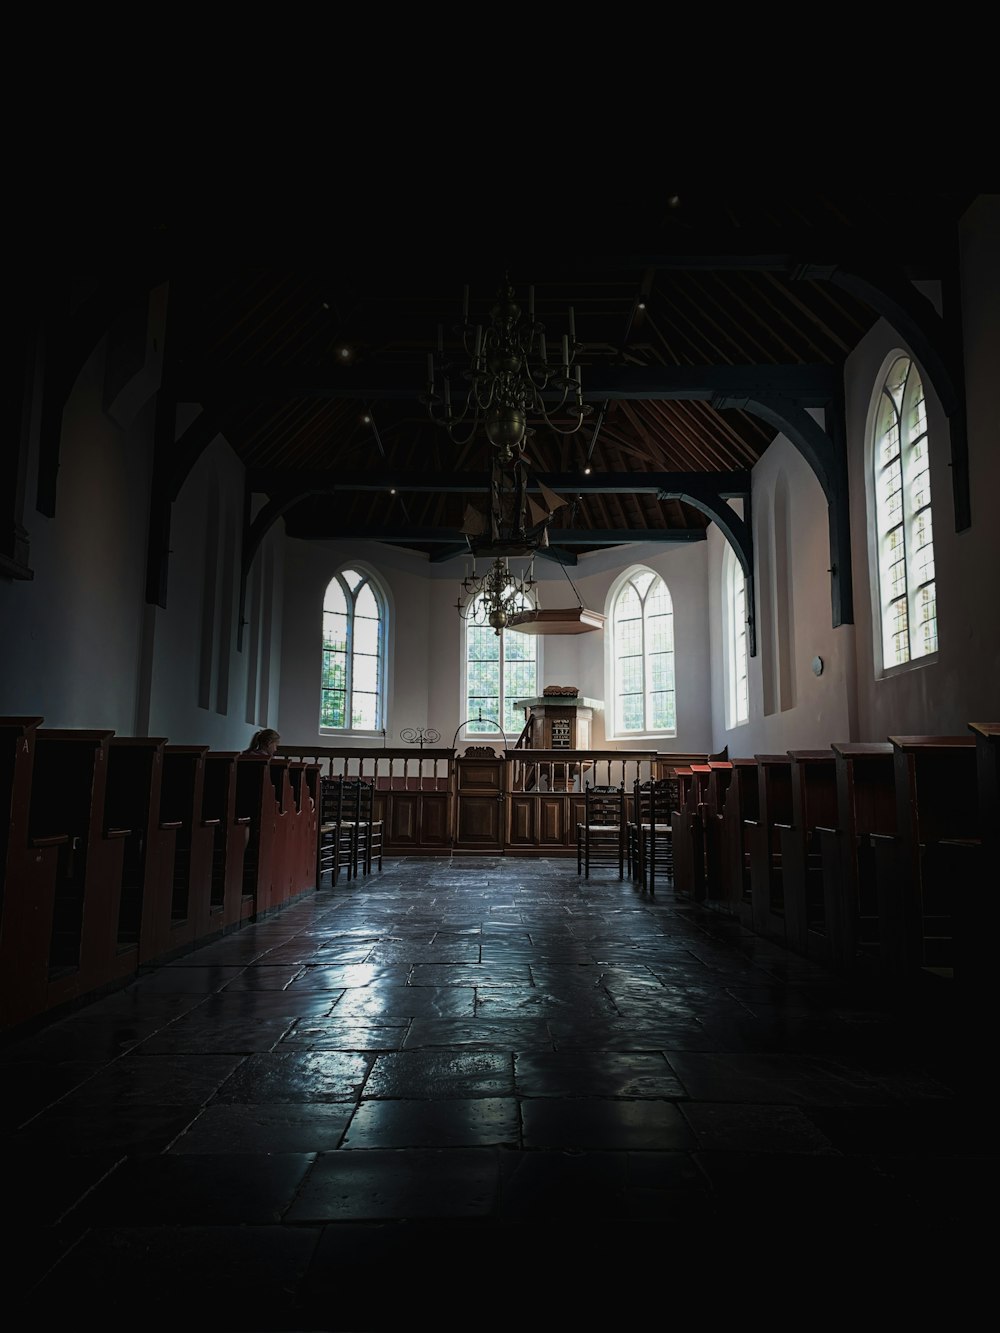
{"x":486,"y":1091}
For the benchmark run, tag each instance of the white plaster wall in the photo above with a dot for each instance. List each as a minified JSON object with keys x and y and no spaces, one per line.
{"x":426,"y":663}
{"x":963,"y":684}
{"x":816,"y":709}
{"x":71,"y":635}
{"x":309,"y":566}
{"x":175,"y":711}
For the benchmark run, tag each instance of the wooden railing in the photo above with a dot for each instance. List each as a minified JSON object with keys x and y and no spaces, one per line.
{"x":519,"y":801}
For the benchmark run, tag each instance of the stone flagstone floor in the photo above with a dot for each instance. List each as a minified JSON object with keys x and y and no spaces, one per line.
{"x":484,"y":1090}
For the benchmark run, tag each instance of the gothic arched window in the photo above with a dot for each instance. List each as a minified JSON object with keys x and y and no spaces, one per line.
{"x":735,"y":611}
{"x":642,"y":619}
{"x":902,"y":495}
{"x":354,"y":652}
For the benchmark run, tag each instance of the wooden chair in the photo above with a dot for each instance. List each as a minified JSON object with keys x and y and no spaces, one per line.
{"x":337,"y":829}
{"x":656,"y":802}
{"x":368,"y":830}
{"x":637,"y":815}
{"x":600,"y":837}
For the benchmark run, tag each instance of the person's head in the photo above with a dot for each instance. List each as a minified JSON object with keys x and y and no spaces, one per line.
{"x":266,"y":740}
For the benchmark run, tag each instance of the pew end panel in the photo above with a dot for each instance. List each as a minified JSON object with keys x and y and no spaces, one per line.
{"x":182,"y":797}
{"x":937,"y":820}
{"x":774,"y":780}
{"x":814,"y":805}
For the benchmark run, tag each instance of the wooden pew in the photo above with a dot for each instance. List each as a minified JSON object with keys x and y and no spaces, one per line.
{"x":257,"y":803}
{"x":68,"y":789}
{"x":132,"y":803}
{"x":979,"y":943}
{"x":278,"y":886}
{"x":940,"y":844}
{"x":231,"y":835}
{"x":698,"y":799}
{"x":740,"y":815}
{"x":987,"y":738}
{"x":814,"y":806}
{"x":680,"y":822}
{"x":716,"y":876}
{"x":182,"y":804}
{"x":858,"y":857}
{"x":304,"y":779}
{"x":774,"y":778}
{"x":688,"y":831}
{"x":31,"y":866}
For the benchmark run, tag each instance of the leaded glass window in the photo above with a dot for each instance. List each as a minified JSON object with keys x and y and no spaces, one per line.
{"x":499,"y":668}
{"x":736,"y":641}
{"x":643,"y":637}
{"x":354,"y":625}
{"x":904,"y":527}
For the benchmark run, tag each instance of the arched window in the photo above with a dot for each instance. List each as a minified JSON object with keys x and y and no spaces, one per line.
{"x":354,"y":651}
{"x":643,"y":655}
{"x":902,"y":494}
{"x":737,"y":692}
{"x":499,"y":668}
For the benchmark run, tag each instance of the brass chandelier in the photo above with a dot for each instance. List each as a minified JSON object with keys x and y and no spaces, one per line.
{"x":510,"y":377}
{"x":497,"y":595}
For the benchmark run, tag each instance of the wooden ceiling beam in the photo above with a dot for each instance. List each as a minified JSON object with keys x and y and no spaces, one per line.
{"x":726,"y":482}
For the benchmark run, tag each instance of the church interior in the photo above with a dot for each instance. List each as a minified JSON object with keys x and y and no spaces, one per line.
{"x":498,"y":817}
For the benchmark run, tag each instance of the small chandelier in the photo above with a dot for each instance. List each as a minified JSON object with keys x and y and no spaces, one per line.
{"x":509,"y":378}
{"x":497,"y":595}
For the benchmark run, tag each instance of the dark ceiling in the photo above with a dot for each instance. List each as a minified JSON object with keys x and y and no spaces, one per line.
{"x":307,"y":348}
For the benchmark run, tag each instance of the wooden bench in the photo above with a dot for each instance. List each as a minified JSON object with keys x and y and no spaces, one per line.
{"x":303,"y":777}
{"x":277,"y":888}
{"x":858,"y":856}
{"x":740,"y":814}
{"x":231,"y":835}
{"x":977,"y":978}
{"x":32,"y":864}
{"x":68,"y":789}
{"x":814,"y":806}
{"x":681,"y":845}
{"x":256,"y":803}
{"x":716,"y":865}
{"x":939,"y":847}
{"x":774,"y":778}
{"x":182,"y":798}
{"x":688,"y":833}
{"x":133,"y":803}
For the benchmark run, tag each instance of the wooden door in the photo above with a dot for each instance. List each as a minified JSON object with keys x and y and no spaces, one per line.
{"x":480,"y":795}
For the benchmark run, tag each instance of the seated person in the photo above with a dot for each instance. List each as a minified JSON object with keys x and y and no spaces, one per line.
{"x":263,"y":744}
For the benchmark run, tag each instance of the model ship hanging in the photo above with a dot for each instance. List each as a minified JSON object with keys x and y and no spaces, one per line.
{"x":510,"y":378}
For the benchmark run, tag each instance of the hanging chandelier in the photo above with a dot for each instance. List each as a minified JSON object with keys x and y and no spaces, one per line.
{"x":497,"y":595}
{"x":509,"y":378}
